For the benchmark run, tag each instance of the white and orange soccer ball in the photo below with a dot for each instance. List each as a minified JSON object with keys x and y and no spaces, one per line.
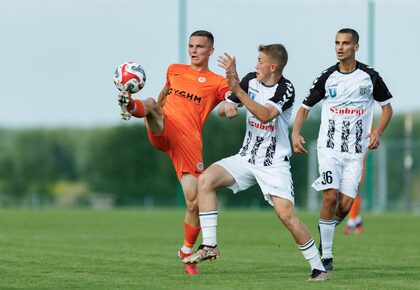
{"x":130,"y":77}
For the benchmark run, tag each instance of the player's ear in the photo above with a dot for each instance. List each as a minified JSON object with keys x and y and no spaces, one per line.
{"x":356,"y":47}
{"x":211,"y":51}
{"x":273,"y":67}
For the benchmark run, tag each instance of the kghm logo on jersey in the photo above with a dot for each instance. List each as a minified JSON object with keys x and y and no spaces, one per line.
{"x":363,"y":90}
{"x":332,"y":92}
{"x":186,"y":95}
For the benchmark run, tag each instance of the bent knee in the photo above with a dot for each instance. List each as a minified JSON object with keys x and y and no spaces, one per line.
{"x":289,"y":219}
{"x":345,"y":205}
{"x":330,"y":198}
{"x":206,"y":183}
{"x":150,"y":104}
{"x":285,"y":211}
{"x":192,"y":205}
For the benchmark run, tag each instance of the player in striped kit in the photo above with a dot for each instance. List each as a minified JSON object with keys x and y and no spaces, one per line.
{"x":263,"y":158}
{"x":348,"y":90}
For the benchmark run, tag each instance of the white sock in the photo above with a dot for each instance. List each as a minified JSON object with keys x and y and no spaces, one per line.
{"x":338,"y":220}
{"x":326,"y":231}
{"x":354,"y":222}
{"x":186,"y":250}
{"x":351,"y":223}
{"x":208,"y":222}
{"x":357,"y":220}
{"x":310,"y":253}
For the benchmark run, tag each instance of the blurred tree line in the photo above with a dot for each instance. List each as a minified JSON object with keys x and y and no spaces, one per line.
{"x":71,"y":166}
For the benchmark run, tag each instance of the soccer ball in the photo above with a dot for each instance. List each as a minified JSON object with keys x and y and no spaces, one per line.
{"x":130,"y":77}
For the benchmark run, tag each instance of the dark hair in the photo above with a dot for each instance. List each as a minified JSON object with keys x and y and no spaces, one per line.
{"x":205,"y":34}
{"x":353,"y":33}
{"x":276,"y":51}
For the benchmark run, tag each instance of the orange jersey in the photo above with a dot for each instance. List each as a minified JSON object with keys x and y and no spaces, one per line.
{"x":192,"y":95}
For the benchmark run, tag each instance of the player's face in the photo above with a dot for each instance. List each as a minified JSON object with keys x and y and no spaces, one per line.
{"x":199,"y":49}
{"x":345,"y":47}
{"x":263,"y":67}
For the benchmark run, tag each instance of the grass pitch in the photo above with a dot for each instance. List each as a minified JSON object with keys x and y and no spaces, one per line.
{"x":136,"y":249}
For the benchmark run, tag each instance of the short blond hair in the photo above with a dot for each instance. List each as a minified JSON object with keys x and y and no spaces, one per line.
{"x":277,"y":52}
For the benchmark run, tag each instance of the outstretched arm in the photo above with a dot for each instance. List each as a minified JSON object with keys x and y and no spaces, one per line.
{"x":297,"y":139}
{"x":264,"y":113}
{"x":376,"y":134}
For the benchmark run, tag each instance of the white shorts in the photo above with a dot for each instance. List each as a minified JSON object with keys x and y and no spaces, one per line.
{"x":340,"y":171}
{"x":273,"y":180}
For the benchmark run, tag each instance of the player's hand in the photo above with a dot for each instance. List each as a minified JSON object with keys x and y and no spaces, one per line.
{"x":297,"y":141}
{"x":231,"y":110}
{"x":228,"y":63}
{"x":374,"y":140}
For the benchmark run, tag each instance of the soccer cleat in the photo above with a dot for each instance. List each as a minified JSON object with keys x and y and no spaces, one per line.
{"x":359,"y":229}
{"x":203,"y":253}
{"x":318,"y":275}
{"x":348,"y":230}
{"x":190,"y":269}
{"x":124,"y":100}
{"x":328,"y":264}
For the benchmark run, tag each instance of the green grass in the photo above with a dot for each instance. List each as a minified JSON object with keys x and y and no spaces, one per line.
{"x":136,"y":249}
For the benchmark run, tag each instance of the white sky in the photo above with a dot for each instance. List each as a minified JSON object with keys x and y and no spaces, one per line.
{"x":58,"y":56}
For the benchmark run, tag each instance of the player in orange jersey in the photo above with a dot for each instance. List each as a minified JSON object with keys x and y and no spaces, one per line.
{"x":175,"y":121}
{"x":354,"y":223}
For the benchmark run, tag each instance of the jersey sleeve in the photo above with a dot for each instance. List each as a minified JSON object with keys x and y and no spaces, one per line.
{"x":232,"y":98}
{"x":381,"y":94}
{"x":284,"y":96}
{"x":245,"y":81}
{"x":317,"y":91}
{"x":223,"y":89}
{"x":168,"y":73}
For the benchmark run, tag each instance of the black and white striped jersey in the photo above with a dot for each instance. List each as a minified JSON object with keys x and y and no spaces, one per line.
{"x":348,"y":106}
{"x":266,"y":144}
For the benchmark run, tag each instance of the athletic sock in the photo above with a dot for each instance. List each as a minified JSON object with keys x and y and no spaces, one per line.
{"x":357,"y":220}
{"x":310,"y":253}
{"x":208,"y":221}
{"x":355,"y":208}
{"x":326,"y":231}
{"x":136,"y":108}
{"x":338,"y":220}
{"x":190,"y":235}
{"x":351,"y":223}
{"x":186,"y":250}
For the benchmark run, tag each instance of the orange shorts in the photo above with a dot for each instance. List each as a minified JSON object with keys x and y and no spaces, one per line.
{"x":184,"y":150}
